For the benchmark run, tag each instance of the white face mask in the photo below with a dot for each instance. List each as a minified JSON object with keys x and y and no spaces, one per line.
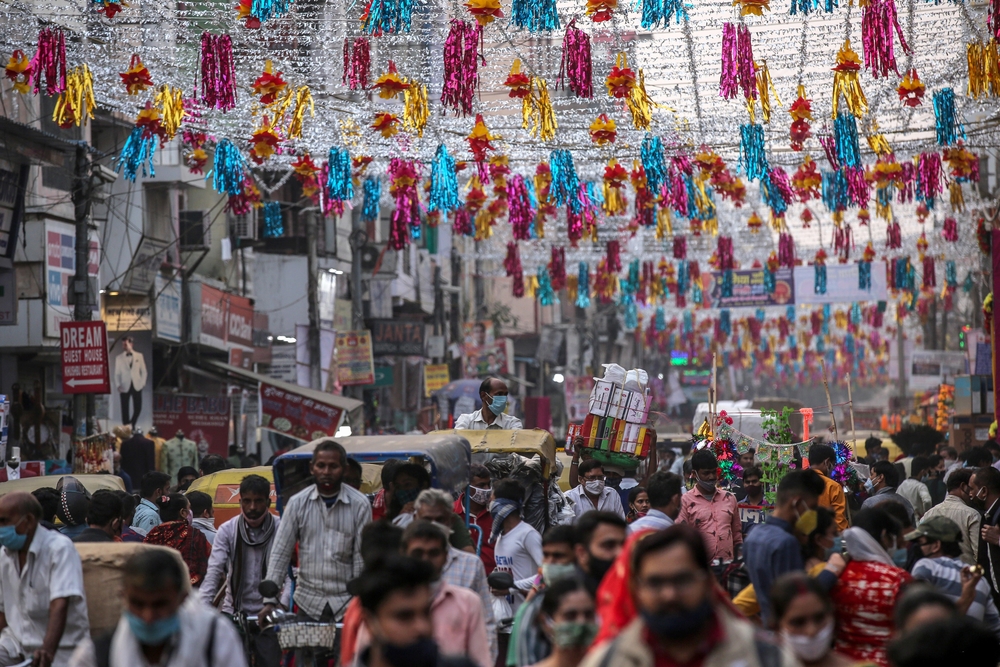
{"x":481,"y":496}
{"x":810,"y":649}
{"x":595,"y":486}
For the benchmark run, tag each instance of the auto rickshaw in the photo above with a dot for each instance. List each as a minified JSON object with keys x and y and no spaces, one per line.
{"x":90,"y":482}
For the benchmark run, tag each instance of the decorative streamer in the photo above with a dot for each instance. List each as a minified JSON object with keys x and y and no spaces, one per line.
{"x":819,"y":278}
{"x":929,"y":184}
{"x":948,"y":128}
{"x":557,"y":268}
{"x":738,"y":68}
{"x":546,"y":295}
{"x":653,"y":163}
{"x":846,"y":84}
{"x":263,"y":10}
{"x":461,"y":66}
{"x":878,"y":22}
{"x":565,"y":182}
{"x":229,"y":169}
{"x":137,"y":78}
{"x":930,"y":277}
{"x":656,"y":13}
{"x":372,"y":190}
{"x":274,"y":224}
{"x":893,"y":237}
{"x":357,"y":63}
{"x":339,"y":184}
{"x":984,"y":69}
{"x":845,"y":132}
{"x":680,"y":247}
{"x":218,"y":72}
{"x":575,"y":68}
{"x":50,"y":61}
{"x":950,"y":274}
{"x":727,"y":284}
{"x":613,"y":187}
{"x":405,"y":221}
{"x":537,"y":109}
{"x":137,"y":152}
{"x":444,"y":182}
{"x":583,"y":286}
{"x":769,"y":281}
{"x":858,"y":187}
{"x":786,"y":250}
{"x":75,"y":104}
{"x":753,"y":160}
{"x":390,"y":17}
{"x":520,"y":211}
{"x":535,"y":16}
{"x":512,"y":264}
{"x":765,"y":88}
{"x":950,"y":230}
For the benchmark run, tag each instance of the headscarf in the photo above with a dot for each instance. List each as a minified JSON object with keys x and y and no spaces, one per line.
{"x":863,"y":547}
{"x":192,"y":545}
{"x":500,"y":509}
{"x":243,"y":542}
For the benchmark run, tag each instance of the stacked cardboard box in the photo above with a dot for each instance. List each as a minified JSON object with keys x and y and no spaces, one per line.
{"x":617,"y":419}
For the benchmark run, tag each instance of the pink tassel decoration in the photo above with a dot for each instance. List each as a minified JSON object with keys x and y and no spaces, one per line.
{"x":357,"y":63}
{"x":461,"y":66}
{"x":929,"y":183}
{"x":893,"y":237}
{"x":218,"y":72}
{"x":462,"y":224}
{"x":680,"y":247}
{"x":930,"y":278}
{"x":747,"y":68}
{"x":950,"y":231}
{"x":404,"y":176}
{"x":829,"y":144}
{"x":694,"y":271}
{"x":858,"y":189}
{"x":614,"y":262}
{"x":724,"y":253}
{"x":786,"y":250}
{"x":843,"y":242}
{"x":574,"y":225}
{"x":906,"y":177}
{"x":878,"y":22}
{"x":780,"y":182}
{"x":512,"y":264}
{"x":519,"y":211}
{"x":993,"y":19}
{"x":729,"y":83}
{"x":576,"y":66}
{"x":676,"y":194}
{"x":50,"y":60}
{"x":557,"y":268}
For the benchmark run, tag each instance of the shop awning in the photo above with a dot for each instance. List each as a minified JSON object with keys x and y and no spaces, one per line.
{"x":353,"y":409}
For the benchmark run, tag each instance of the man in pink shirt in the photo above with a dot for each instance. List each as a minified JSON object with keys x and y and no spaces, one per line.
{"x":713,"y":511}
{"x":456,"y":612}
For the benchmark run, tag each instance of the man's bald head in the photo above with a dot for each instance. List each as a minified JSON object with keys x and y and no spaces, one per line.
{"x":21,"y":503}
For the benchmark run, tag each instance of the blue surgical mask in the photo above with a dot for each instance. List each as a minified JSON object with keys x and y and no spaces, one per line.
{"x":10,"y":538}
{"x":869,"y":485}
{"x":155,"y":633}
{"x":899,"y":558}
{"x":498,"y":404}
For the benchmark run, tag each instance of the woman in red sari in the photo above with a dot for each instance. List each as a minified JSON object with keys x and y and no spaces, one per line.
{"x":866,"y":592}
{"x":177,"y":533}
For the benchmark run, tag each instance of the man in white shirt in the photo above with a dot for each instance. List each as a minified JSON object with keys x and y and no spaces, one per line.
{"x":518,"y":545}
{"x":162,"y":624}
{"x":493,"y":393}
{"x":664,"y":491}
{"x":592,"y":494}
{"x":914,"y":490}
{"x":43,"y":611}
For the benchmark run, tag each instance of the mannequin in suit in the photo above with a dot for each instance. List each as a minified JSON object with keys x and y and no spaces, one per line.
{"x":12,"y":470}
{"x":130,"y":379}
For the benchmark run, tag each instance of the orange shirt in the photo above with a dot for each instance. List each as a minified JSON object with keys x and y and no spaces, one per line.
{"x":833,"y":497}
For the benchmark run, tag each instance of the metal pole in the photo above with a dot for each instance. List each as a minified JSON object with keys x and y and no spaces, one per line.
{"x":850,"y":403}
{"x":82,"y":417}
{"x":901,"y":361}
{"x":357,"y":239}
{"x":312,"y":292}
{"x":829,"y":401}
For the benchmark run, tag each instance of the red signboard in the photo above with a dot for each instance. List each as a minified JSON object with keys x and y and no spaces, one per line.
{"x":296,"y":415}
{"x":204,"y":419}
{"x":84,"y":358}
{"x":226,"y":319}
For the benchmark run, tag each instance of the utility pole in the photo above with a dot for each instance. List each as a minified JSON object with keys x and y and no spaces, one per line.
{"x":901,"y":362}
{"x":83,"y":404}
{"x":312,"y":292}
{"x":357,"y":239}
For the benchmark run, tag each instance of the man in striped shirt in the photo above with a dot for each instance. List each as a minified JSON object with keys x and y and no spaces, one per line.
{"x":939,"y":538}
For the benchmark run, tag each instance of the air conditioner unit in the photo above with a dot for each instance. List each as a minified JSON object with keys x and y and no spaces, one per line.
{"x":370,"y":254}
{"x":243,"y":226}
{"x":195,"y":233}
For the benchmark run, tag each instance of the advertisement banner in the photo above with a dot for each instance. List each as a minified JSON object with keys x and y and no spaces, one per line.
{"x":749,"y":290}
{"x":494,"y":359}
{"x":295,"y":415}
{"x":841,"y":284}
{"x":131,"y":357}
{"x":397,"y":337}
{"x":127,"y":312}
{"x":84,"y":348}
{"x":167,"y":309}
{"x":355,"y":363}
{"x":435,"y":377}
{"x":577,"y":388}
{"x":226,"y":319}
{"x":60,"y":265}
{"x":204,"y":419}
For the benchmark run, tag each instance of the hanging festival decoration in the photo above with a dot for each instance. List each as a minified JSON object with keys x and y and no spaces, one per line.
{"x":806,"y":180}
{"x":878,"y":22}
{"x":600,"y":11}
{"x":765,"y":88}
{"x":786,"y":250}
{"x":484,"y":11}
{"x":405,"y":222}
{"x":929,"y":174}
{"x":537,"y":112}
{"x":389,"y":17}
{"x":461,"y":66}
{"x":929,"y":275}
{"x":218,"y":72}
{"x":227,"y":174}
{"x":269,"y":85}
{"x":535,"y":16}
{"x":983,"y":62}
{"x":137,"y":153}
{"x":565,"y":182}
{"x":339,"y":181}
{"x":575,"y":68}
{"x":387,"y":124}
{"x":845,"y":132}
{"x":372,"y":191}
{"x":76,"y":103}
{"x":583,"y":286}
{"x":170,"y":102}
{"x":801,"y":112}
{"x":137,"y":78}
{"x":264,"y":141}
{"x":613,"y":188}
{"x":623,"y":83}
{"x":444,"y":184}
{"x":949,"y":232}
{"x":307,"y":174}
{"x":738,"y":68}
{"x":846,"y":83}
{"x":754,"y":223}
{"x":512,"y":265}
{"x":657,"y":13}
{"x":357,"y":63}
{"x":274,"y":223}
{"x":653,"y":163}
{"x":753,"y":160}
{"x":520,"y":211}
{"x":50,"y":61}
{"x":947,"y":127}
{"x":416,"y":111}
{"x":603,"y":130}
{"x":19,"y":71}
{"x":264,"y":10}
{"x":390,"y":84}
{"x":911,"y":90}
{"x":819,"y":267}
{"x":546,"y":295}
{"x":518,"y":82}
{"x":557,"y":268}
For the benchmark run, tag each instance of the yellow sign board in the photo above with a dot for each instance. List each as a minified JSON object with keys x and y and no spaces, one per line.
{"x":435,"y":377}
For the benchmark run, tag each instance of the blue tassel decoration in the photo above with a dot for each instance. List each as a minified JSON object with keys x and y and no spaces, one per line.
{"x":137,"y":152}
{"x":725,"y":322}
{"x":801,"y":7}
{"x":884,"y":196}
{"x":444,"y":182}
{"x":269,"y":9}
{"x":535,"y":16}
{"x":688,"y":323}
{"x":790,"y":315}
{"x":631,"y":315}
{"x":849,"y":343}
{"x":696,"y":295}
{"x":388,"y":16}
{"x":856,"y":313}
{"x":661,"y":320}
{"x":727,"y":284}
{"x":845,"y":135}
{"x":229,"y":168}
{"x":947,"y":127}
{"x":339,"y":183}
{"x":830,"y":5}
{"x":546,"y":295}
{"x":820,"y":345}
{"x":826,"y":319}
{"x":583,"y":286}
{"x":834,"y":190}
{"x":682,"y":277}
{"x":372,"y":192}
{"x":753,"y":160}
{"x":529,"y":185}
{"x":769,"y":281}
{"x":772,"y":196}
{"x":274,"y":223}
{"x":653,"y":162}
{"x":819,"y":286}
{"x":659,"y":12}
{"x":760,"y":314}
{"x":565,"y":183}
{"x":968,"y":284}
{"x":950,"y":274}
{"x":865,"y":276}
{"x":595,"y":195}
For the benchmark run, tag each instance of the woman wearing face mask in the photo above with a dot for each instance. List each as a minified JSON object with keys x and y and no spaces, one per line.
{"x":568,"y":620}
{"x":866,"y":592}
{"x":805,"y":620}
{"x":638,"y":503}
{"x":177,"y":533}
{"x":406,"y":485}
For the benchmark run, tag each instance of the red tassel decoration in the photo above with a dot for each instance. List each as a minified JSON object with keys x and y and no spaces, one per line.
{"x":461,"y":66}
{"x":404,"y":175}
{"x":950,"y":231}
{"x":576,"y":66}
{"x":614,"y":262}
{"x":50,"y":60}
{"x":843,"y":242}
{"x":930,"y":279}
{"x":357,"y":63}
{"x":724,"y":253}
{"x":993,"y":19}
{"x":512,"y":264}
{"x":218,"y":72}
{"x":680,"y":247}
{"x":557,"y":268}
{"x":786,"y":250}
{"x":462,"y":224}
{"x":878,"y":22}
{"x":694,"y":272}
{"x":893,"y":237}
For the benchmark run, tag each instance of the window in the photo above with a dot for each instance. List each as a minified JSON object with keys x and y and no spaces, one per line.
{"x":193,"y":232}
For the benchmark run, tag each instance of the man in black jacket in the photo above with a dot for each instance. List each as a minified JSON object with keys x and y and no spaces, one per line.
{"x":984,"y":487}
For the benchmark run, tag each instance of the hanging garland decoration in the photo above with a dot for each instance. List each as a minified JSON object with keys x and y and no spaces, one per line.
{"x":444,"y":183}
{"x":229,"y":169}
{"x":846,"y":84}
{"x":947,"y":127}
{"x":801,"y":113}
{"x":372,"y":190}
{"x":307,"y":174}
{"x":557,"y":268}
{"x":541,"y":16}
{"x":339,"y":181}
{"x":753,"y":160}
{"x":389,"y":17}
{"x":512,"y":265}
{"x":405,"y":221}
{"x":546,"y":295}
{"x":984,"y":69}
{"x":264,"y":10}
{"x":657,"y":13}
{"x":357,"y":63}
{"x":819,"y":269}
{"x":583,"y":286}
{"x":75,"y":104}
{"x":218,"y":72}
{"x":137,"y":153}
{"x":911,"y":90}
{"x":50,"y":61}
{"x":461,"y":66}
{"x":845,"y":132}
{"x":623,"y":83}
{"x":19,"y":71}
{"x":274,"y":224}
{"x":738,"y":68}
{"x":575,"y":67}
{"x":878,"y":22}
{"x":137,"y":78}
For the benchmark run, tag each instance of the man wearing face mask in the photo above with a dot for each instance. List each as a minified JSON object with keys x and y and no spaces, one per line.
{"x":493,"y":394}
{"x":518,"y":546}
{"x":396,"y":597}
{"x":664,"y":491}
{"x":823,"y":459}
{"x":162,"y":624}
{"x":881,"y":487}
{"x":773,"y":548}
{"x":957,"y":506}
{"x":456,"y":613}
{"x":600,"y":537}
{"x":985,"y":489}
{"x":714,"y":512}
{"x":593,"y":493}
{"x":43,"y":614}
{"x":480,"y":489}
{"x":682,"y":620}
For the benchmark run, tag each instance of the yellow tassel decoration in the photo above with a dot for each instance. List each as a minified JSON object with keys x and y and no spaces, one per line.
{"x":877,"y":142}
{"x":76,"y":103}
{"x":640,"y":105}
{"x":613,"y":186}
{"x":846,"y":84}
{"x":883,"y":212}
{"x":531,"y":287}
{"x":664,"y":226}
{"x":303,"y":101}
{"x":984,"y":69}
{"x":572,"y":287}
{"x":416,"y":112}
{"x":537,"y":112}
{"x":171,"y":104}
{"x":484,"y":227}
{"x":765,"y":88}
{"x":539,"y":225}
{"x":957,"y":199}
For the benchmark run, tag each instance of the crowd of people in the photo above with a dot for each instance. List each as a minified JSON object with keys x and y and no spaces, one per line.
{"x":659,"y":570}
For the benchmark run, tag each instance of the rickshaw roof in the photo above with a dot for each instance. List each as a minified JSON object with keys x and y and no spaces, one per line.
{"x":449,"y":452}
{"x":525,"y":441}
{"x":90,"y":482}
